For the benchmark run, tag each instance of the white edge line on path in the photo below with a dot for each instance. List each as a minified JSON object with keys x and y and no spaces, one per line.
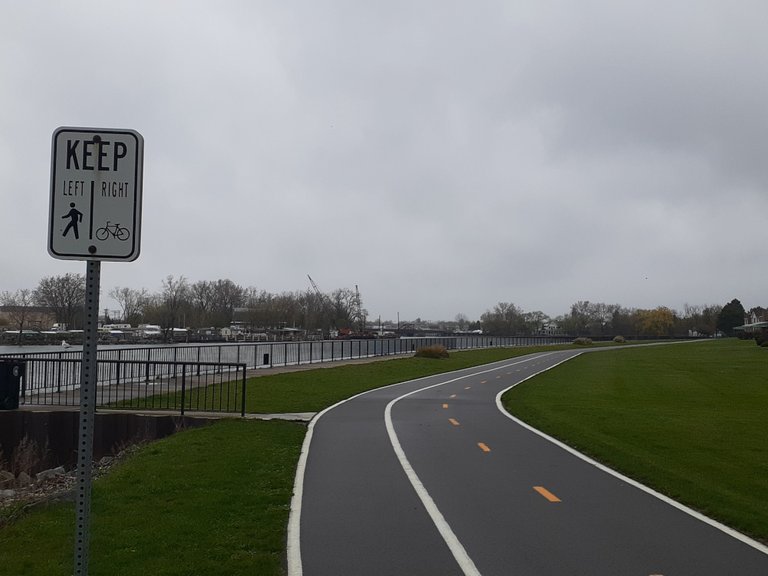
{"x":682,"y":507}
{"x":449,"y":537}
{"x":293,"y":547}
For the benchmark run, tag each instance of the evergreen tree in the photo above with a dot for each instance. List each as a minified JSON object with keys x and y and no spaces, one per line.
{"x":731,"y":315}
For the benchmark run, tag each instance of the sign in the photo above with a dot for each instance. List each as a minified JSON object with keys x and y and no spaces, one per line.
{"x":96,"y":186}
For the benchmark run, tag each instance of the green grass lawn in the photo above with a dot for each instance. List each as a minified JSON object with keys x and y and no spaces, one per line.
{"x":215,"y":500}
{"x":208,"y":501}
{"x":690,"y":420}
{"x":314,"y":390}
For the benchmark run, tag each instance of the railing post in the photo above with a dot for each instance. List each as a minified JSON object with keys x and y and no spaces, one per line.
{"x":183,"y":386}
{"x":242,"y":409}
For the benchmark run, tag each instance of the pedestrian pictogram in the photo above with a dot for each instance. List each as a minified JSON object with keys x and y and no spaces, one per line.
{"x":96,"y":191}
{"x":75,"y":217}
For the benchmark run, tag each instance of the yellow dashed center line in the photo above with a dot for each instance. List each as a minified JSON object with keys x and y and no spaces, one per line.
{"x":454,"y":421}
{"x":483,"y":447}
{"x":546,"y":493}
{"x":445,"y":405}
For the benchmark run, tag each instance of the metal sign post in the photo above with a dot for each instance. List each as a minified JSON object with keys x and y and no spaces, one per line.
{"x":95,"y":215}
{"x":88,"y":375}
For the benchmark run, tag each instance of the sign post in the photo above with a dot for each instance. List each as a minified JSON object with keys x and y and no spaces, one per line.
{"x":95,"y":215}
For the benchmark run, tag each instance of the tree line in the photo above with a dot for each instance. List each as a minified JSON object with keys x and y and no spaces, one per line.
{"x":597,"y":319}
{"x":184,"y":304}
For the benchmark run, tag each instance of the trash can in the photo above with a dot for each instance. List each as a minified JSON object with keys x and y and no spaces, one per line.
{"x":11,"y":374}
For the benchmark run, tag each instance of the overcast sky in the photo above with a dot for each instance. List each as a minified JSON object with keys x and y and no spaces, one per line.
{"x":443,"y":156}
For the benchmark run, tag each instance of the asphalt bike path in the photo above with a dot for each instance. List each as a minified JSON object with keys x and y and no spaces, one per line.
{"x":432,"y":477}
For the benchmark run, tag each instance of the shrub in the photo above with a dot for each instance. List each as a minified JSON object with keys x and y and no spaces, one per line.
{"x":582,"y":341}
{"x":434,"y":351}
{"x":619,"y":339}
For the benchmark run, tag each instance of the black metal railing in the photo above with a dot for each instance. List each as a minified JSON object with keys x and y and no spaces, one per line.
{"x":139,"y":384}
{"x":271,"y":354}
{"x":183,"y":377}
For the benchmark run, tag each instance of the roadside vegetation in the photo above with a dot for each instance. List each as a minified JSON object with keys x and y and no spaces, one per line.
{"x":688,"y":420}
{"x":212,"y":500}
{"x":314,"y":390}
{"x":215,"y":500}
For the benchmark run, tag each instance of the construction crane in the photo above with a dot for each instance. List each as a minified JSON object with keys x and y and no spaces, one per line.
{"x":324,"y":299}
{"x":357,"y":312}
{"x":312,"y":282}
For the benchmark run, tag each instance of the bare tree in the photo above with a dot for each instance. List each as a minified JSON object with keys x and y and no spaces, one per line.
{"x":461,"y":321}
{"x":505,"y":319}
{"x":214,"y":303}
{"x":535,"y":322}
{"x":132,"y":303}
{"x":64,"y":295}
{"x":17,"y":306}
{"x":226,"y":297}
{"x":174,"y":301}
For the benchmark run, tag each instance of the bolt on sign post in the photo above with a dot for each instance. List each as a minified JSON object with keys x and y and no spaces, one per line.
{"x":95,"y":215}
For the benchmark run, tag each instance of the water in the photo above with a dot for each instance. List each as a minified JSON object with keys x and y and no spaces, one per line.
{"x":75,"y":348}
{"x":34,"y":349}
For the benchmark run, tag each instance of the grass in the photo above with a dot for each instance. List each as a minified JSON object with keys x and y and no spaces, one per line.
{"x":318,"y":387}
{"x":212,"y":500}
{"x":215,"y":500}
{"x":688,"y":420}
{"x":208,"y":501}
{"x":314,"y":390}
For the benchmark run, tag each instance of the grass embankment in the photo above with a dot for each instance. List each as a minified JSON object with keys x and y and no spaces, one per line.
{"x":205,"y":501}
{"x":314,"y":390}
{"x":688,"y":420}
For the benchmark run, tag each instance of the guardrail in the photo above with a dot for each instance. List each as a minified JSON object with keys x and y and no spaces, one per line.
{"x":271,"y":354}
{"x":157,"y":377}
{"x":141,"y":385}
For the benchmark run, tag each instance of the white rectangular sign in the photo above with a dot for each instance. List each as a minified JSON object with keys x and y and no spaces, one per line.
{"x":96,"y":188}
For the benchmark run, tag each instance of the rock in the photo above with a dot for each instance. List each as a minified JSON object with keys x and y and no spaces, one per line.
{"x":106,"y":461}
{"x":7,"y":494}
{"x":23,"y":479}
{"x":7,"y":479}
{"x":52,"y":473}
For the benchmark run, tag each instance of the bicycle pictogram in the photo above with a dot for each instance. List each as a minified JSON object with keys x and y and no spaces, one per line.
{"x":115,"y":230}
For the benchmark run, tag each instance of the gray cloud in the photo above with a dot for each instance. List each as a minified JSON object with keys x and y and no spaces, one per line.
{"x":442,"y":156}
